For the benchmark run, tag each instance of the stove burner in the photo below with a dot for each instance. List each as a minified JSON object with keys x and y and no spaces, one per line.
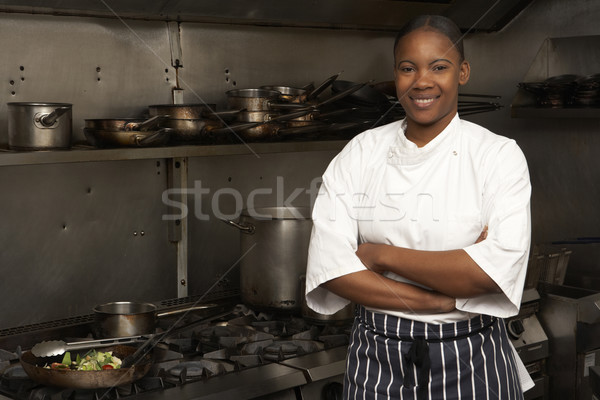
{"x":282,"y":350}
{"x":240,"y":341}
{"x":251,"y":360}
{"x":200,"y":368}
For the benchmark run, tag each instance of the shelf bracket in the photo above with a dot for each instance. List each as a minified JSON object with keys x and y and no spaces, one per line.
{"x":178,"y":227}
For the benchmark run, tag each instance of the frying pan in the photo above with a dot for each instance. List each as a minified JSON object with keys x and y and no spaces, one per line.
{"x":127,"y":138}
{"x":125,"y":124}
{"x":66,"y":378}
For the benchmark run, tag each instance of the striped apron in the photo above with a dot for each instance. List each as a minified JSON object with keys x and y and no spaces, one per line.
{"x":397,"y":358}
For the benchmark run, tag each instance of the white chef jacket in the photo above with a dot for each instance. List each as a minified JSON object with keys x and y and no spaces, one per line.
{"x":382,"y":188}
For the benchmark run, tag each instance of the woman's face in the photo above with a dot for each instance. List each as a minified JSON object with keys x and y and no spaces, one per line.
{"x":428,"y":71}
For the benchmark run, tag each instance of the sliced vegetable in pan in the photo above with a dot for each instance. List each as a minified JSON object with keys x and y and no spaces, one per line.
{"x":92,"y":361}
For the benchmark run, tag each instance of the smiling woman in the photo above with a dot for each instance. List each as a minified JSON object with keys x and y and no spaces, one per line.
{"x":425,"y":224}
{"x":429,"y":66}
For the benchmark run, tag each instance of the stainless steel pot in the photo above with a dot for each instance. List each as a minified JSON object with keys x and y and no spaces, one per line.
{"x":252,"y":99}
{"x":126,"y":318}
{"x":39,"y":126}
{"x":182,"y":111}
{"x":274,"y":245}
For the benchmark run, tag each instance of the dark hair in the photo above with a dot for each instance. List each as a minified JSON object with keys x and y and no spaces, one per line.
{"x":437,"y":23}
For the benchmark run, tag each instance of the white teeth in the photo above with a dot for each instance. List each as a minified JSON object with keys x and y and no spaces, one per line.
{"x":423,"y":101}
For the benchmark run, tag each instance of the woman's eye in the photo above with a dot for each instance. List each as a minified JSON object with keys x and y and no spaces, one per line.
{"x":439,"y":68}
{"x":406,"y":69}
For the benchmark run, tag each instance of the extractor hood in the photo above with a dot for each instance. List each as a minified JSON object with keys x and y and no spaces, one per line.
{"x":389,"y":15}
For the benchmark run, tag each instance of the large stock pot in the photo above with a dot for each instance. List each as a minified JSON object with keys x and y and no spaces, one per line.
{"x":274,"y":247}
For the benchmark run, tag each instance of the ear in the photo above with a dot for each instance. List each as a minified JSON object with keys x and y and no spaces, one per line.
{"x":465,"y":73}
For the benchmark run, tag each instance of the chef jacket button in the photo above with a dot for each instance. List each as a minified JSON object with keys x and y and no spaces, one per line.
{"x":391,"y":154}
{"x":455,"y":153}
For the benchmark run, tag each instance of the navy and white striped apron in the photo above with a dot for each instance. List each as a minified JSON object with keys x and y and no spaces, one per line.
{"x":397,"y":358}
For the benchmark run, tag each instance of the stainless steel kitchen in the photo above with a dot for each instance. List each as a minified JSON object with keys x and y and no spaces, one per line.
{"x":160,"y":161}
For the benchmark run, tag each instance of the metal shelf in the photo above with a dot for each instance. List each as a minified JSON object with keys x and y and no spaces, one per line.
{"x":89,"y":154}
{"x":540,"y":112}
{"x":577,"y":55}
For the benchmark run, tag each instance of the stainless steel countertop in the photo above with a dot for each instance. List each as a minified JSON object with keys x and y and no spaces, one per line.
{"x":258,"y":381}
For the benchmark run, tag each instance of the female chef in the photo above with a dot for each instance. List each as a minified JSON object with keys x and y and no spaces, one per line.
{"x":425,"y":224}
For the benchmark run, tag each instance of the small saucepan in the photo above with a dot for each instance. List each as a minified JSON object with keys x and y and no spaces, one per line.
{"x":126,"y":318}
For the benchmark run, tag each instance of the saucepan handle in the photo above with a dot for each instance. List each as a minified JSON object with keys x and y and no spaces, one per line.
{"x":48,"y":120}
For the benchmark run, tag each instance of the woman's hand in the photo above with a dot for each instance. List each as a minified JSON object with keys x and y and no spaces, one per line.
{"x":483,"y":235}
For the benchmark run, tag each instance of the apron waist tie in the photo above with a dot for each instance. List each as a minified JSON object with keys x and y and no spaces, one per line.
{"x":418,"y":355}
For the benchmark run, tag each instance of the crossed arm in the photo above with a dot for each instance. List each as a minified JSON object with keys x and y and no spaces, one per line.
{"x":450,"y":274}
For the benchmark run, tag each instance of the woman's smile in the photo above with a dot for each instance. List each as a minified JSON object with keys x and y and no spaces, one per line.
{"x":423,"y":101}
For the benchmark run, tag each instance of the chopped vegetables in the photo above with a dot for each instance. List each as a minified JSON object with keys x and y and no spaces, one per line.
{"x":92,"y":361}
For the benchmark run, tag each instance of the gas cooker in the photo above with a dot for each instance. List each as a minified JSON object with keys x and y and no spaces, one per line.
{"x":236,"y":354}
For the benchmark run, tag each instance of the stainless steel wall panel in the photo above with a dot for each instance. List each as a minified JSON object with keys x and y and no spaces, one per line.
{"x":76,"y":235}
{"x":218,"y":58}
{"x":107,"y":68}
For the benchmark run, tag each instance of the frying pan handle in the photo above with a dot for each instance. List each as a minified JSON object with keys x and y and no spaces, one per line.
{"x":288,"y":116}
{"x":147,"y":124}
{"x":287,"y":106}
{"x":143,"y":141}
{"x":343,"y":94}
{"x":315,"y":92}
{"x":234,"y":128}
{"x":187,"y":309}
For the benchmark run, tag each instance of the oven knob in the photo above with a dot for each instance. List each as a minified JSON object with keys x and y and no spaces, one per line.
{"x":332,"y":391}
{"x":515,"y":328}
